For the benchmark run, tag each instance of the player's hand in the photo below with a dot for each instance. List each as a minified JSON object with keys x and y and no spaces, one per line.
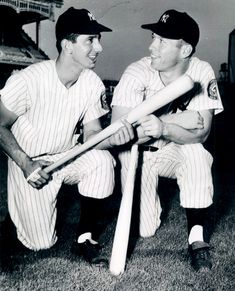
{"x":151,"y":126}
{"x":124,"y":135}
{"x":34,"y":173}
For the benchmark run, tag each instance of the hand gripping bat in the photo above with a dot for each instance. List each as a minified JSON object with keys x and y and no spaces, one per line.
{"x":160,"y":99}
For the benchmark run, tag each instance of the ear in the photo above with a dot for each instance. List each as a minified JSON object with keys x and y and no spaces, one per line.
{"x":67,"y":46}
{"x":186,"y":50}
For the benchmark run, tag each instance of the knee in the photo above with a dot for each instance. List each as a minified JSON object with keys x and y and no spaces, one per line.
{"x":98,"y":180}
{"x":198,"y":160}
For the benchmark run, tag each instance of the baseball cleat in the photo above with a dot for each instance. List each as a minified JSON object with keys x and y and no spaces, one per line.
{"x":91,"y":253}
{"x":200,"y":256}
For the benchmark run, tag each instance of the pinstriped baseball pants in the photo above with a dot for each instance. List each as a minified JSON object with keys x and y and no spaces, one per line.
{"x":34,"y":211}
{"x":190,"y":164}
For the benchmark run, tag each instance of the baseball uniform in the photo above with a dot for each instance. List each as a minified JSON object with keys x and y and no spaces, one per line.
{"x":48,"y":115}
{"x":190,"y":164}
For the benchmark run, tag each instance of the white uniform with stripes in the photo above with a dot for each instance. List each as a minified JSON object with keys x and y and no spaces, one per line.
{"x":190,"y":164}
{"x":48,"y":113}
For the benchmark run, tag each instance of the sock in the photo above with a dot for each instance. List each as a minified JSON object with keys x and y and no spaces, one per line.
{"x":202,"y":222}
{"x":83,"y":237}
{"x":92,"y":212}
{"x":196,"y":234}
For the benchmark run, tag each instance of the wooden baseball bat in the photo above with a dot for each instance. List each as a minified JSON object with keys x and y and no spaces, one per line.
{"x":161,"y":98}
{"x":121,"y":236}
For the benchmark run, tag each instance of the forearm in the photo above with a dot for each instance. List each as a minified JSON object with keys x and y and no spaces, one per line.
{"x":188,"y":119}
{"x":189,"y":126}
{"x":180,"y":135}
{"x":103,"y":145}
{"x":115,"y":135}
{"x":172,"y":118}
{"x":11,"y":147}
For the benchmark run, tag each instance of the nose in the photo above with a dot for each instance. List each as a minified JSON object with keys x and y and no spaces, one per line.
{"x":97,"y":46}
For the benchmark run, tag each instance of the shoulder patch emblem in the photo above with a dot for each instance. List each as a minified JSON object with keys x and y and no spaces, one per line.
{"x":212,"y":89}
{"x":104,"y":103}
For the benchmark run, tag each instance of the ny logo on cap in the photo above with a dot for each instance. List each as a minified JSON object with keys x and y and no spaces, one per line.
{"x":164,"y":18}
{"x":91,"y":16}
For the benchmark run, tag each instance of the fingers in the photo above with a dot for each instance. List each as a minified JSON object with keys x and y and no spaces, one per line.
{"x":127,"y":130}
{"x":35,"y":179}
{"x":124,"y":135}
{"x":151,"y":126}
{"x":34,"y":176}
{"x":143,"y":120}
{"x":38,"y":177}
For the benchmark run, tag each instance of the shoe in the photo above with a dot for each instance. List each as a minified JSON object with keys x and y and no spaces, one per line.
{"x":90,"y":252}
{"x":200,"y":256}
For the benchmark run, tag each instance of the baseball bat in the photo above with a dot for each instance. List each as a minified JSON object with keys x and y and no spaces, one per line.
{"x":161,"y":98}
{"x":121,"y":236}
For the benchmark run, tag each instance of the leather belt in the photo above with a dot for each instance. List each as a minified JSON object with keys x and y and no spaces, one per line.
{"x":146,"y":148}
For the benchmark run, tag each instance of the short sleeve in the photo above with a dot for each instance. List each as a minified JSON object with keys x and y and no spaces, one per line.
{"x":130,"y":90}
{"x":97,"y":105}
{"x":207,"y":95}
{"x":14,"y":95}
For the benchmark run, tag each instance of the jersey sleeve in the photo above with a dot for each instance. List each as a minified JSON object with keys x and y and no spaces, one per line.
{"x":207,"y":95}
{"x":130,"y":90}
{"x":14,"y":95}
{"x":97,"y":105}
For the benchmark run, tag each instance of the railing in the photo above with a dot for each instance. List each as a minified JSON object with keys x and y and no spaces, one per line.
{"x":45,"y":9}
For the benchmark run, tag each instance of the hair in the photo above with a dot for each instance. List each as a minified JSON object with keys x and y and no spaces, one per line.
{"x":71,"y":37}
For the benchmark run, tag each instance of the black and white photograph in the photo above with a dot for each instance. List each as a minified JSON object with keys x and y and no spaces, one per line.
{"x":117,"y":145}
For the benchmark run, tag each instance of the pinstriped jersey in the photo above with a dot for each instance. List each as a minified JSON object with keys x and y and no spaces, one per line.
{"x":140,"y":81}
{"x":47,"y":111}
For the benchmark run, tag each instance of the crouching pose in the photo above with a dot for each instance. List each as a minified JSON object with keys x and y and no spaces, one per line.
{"x":41,"y":109}
{"x":172,"y":137}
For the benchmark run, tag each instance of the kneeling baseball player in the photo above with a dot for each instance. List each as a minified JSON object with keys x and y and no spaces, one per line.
{"x":40,"y":109}
{"x":172,"y":138}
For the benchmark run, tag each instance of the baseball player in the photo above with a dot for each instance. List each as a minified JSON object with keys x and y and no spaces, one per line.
{"x":41,"y":109}
{"x":171,"y":139}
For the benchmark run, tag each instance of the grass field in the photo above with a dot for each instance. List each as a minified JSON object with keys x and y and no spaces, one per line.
{"x":159,"y":263}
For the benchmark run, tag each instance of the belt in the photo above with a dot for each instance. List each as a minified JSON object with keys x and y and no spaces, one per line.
{"x":146,"y":148}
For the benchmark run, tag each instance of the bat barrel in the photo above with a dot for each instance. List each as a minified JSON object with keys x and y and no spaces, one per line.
{"x":166,"y":95}
{"x":79,"y":149}
{"x":121,"y":237}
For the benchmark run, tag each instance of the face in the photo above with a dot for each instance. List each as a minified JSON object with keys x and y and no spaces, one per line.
{"x":86,"y":50}
{"x":165,"y":53}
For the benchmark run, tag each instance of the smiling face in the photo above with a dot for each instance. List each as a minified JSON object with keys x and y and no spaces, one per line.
{"x":85,"y":50}
{"x":165,"y":53}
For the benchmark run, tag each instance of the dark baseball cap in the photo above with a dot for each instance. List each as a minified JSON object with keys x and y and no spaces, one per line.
{"x":80,"y":21}
{"x":176,"y":25}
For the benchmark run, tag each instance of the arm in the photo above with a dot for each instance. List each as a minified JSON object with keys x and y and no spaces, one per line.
{"x":189,"y":119}
{"x":14,"y":151}
{"x":154,"y":127}
{"x":120,"y":112}
{"x":122,"y":136}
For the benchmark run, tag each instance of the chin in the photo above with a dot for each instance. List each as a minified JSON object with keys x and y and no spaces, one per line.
{"x":91,"y":66}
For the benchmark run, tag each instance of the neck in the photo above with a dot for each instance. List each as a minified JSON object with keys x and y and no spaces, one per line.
{"x":171,"y":75}
{"x":67,"y":72}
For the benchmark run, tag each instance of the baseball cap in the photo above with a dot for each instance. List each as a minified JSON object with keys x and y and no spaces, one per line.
{"x":80,"y":21}
{"x":176,"y":25}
